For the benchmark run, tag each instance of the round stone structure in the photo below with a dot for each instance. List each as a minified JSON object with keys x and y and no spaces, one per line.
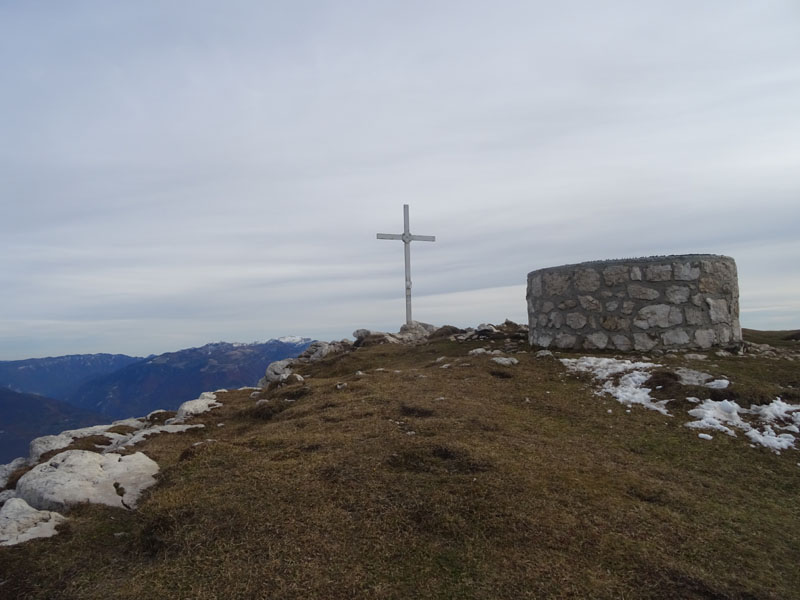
{"x":644,"y":304}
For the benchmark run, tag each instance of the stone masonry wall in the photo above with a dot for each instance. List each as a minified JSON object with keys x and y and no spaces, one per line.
{"x":661,"y":303}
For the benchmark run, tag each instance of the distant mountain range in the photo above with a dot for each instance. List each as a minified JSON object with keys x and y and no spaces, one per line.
{"x":41,"y":396}
{"x":60,"y":376}
{"x":167,"y":380}
{"x":27,"y":416}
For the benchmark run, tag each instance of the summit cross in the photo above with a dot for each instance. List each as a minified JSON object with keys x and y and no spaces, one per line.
{"x":407,"y":238}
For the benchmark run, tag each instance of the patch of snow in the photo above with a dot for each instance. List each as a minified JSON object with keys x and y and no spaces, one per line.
{"x":19,"y":522}
{"x":696,"y":356}
{"x":78,"y":476}
{"x":292,"y":339}
{"x":628,"y":390}
{"x":505,"y":361}
{"x":717,"y":415}
{"x":777,"y":410}
{"x":204,"y":403}
{"x":770,"y":439}
{"x":720,"y":415}
{"x":704,"y":436}
{"x":718,"y":384}
{"x":603,"y":368}
{"x":543,"y":353}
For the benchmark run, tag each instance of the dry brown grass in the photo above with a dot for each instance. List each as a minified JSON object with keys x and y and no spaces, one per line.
{"x":439,"y":483}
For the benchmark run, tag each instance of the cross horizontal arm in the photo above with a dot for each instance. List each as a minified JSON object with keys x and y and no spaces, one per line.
{"x":423,"y":238}
{"x":390,"y":236}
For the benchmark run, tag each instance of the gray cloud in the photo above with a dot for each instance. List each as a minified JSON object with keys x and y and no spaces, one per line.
{"x":174,"y":173}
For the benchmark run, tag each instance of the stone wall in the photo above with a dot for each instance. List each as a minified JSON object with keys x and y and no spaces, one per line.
{"x":661,"y":303}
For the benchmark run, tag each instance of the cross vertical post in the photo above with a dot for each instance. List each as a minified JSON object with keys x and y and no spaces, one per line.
{"x":407,"y":238}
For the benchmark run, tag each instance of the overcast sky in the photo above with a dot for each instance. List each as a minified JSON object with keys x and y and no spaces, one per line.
{"x":179,"y":172}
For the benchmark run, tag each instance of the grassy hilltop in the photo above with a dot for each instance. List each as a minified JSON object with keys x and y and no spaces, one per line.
{"x":421,"y":480}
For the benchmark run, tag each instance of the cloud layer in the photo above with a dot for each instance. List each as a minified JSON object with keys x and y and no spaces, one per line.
{"x":175,"y":173}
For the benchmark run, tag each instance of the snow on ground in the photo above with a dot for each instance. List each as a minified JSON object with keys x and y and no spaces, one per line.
{"x":78,"y":476}
{"x":717,"y":415}
{"x":771,"y":425}
{"x":19,"y":522}
{"x":725,"y":416}
{"x":628,"y":389}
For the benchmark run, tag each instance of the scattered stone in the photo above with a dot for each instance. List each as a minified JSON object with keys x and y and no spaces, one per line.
{"x":505,"y":361}
{"x":206,"y":402}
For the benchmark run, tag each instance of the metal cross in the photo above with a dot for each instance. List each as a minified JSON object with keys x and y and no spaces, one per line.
{"x":407,"y":238}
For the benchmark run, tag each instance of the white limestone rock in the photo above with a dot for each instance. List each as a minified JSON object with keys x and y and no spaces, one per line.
{"x":19,"y":522}
{"x":7,"y":469}
{"x":204,"y":403}
{"x":718,"y":310}
{"x":47,"y":443}
{"x":77,"y":476}
{"x":506,"y":361}
{"x":277,"y":371}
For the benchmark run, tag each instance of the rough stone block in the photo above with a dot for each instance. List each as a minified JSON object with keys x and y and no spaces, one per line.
{"x":565,"y":341}
{"x":656,"y":315}
{"x":641,"y":292}
{"x":615,"y":275}
{"x":621,"y":342}
{"x":576,"y":320}
{"x":636,"y":274}
{"x":612,"y":305}
{"x":675,"y":316}
{"x":718,"y":310}
{"x":596,"y":341}
{"x":685,"y":271}
{"x":547,"y":306}
{"x":675,"y":337}
{"x":555,"y":320}
{"x":613,"y":323}
{"x":694,"y":316}
{"x":627,"y":307}
{"x":555,"y":283}
{"x":659,"y":272}
{"x":723,"y":334}
{"x":587,"y":280}
{"x":644,"y":342}
{"x":677,"y":294}
{"x":590,"y":303}
{"x":705,"y":338}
